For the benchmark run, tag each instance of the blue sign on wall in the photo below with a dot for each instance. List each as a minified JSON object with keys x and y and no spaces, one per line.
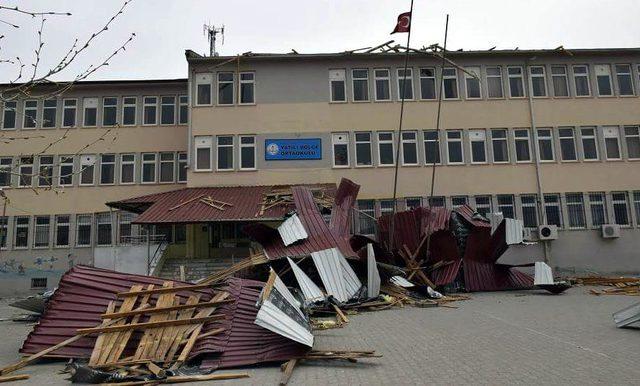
{"x":292,"y":149}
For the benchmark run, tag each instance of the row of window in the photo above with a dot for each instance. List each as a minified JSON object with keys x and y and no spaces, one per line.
{"x":225,"y":150}
{"x":65,"y":112}
{"x":81,"y":230}
{"x":495,"y":82}
{"x":91,"y":169}
{"x":488,"y":145}
{"x":228,"y":91}
{"x":568,"y":210}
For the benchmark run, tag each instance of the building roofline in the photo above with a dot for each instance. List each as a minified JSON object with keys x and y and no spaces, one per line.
{"x":107,"y":82}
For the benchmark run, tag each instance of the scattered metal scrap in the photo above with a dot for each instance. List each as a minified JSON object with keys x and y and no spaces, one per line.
{"x":628,"y":316}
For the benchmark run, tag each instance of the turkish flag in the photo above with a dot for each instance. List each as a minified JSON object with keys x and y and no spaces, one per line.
{"x":404,"y":23}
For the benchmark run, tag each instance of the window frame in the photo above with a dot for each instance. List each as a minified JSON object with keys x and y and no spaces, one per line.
{"x":504,"y":204}
{"x":561,"y":137}
{"x":123,"y":163}
{"x":532,"y":203}
{"x":504,"y":139}
{"x":610,"y":76}
{"x":44,"y":124}
{"x":171,"y":105}
{"x":78,"y":224}
{"x":106,"y":106}
{"x":476,"y":71}
{"x":61,"y":164}
{"x":377,"y":78}
{"x":480,"y":136}
{"x":172,"y":162}
{"x":437,"y":146}
{"x":218,"y":146}
{"x":581,"y":204}
{"x":368,"y":142}
{"x":433,"y":77}
{"x":549,"y":203}
{"x":145,"y":105}
{"x":74,"y":107}
{"x":56,"y":225}
{"x":84,"y":163}
{"x":339,"y":139}
{"x":182,"y":160}
{"x":183,"y":102}
{"x":455,"y":140}
{"x":144,"y":162}
{"x":544,"y":138}
{"x":542,"y":76}
{"x":522,"y":83}
{"x":36,"y":227}
{"x":631,"y":79}
{"x":500,"y":77}
{"x":359,"y":79}
{"x":408,"y":142}
{"x":203,"y":79}
{"x":616,"y":201}
{"x":586,"y":75}
{"x":102,"y":216}
{"x":107,"y":163}
{"x":30,"y":174}
{"x":566,"y":80}
{"x":453,"y":77}
{"x":626,"y":140}
{"x":409,"y":78}
{"x":133,"y":105}
{"x":337,"y":75}
{"x":86,"y":105}
{"x":593,"y":137}
{"x":27,"y":226}
{"x":49,"y":167}
{"x":25,"y":116}
{"x":386,"y":141}
{"x":252,"y":82}
{"x":603,"y":202}
{"x":11,"y":110}
{"x":517,"y":138}
{"x":247,"y":145}
{"x":606,"y":134}
{"x":6,"y":169}
{"x":226,"y":82}
{"x":206,"y":143}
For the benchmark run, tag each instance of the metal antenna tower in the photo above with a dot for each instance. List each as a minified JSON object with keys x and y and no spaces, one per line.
{"x":212,"y":35}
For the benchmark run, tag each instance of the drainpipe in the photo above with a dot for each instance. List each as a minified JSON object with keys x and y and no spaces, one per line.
{"x":536,"y":155}
{"x":189,"y":118}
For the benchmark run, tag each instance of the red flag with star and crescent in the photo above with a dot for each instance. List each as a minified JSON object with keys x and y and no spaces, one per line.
{"x":404,"y":23}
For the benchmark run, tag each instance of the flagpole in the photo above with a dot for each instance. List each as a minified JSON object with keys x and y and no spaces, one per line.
{"x":433,"y":164}
{"x":397,"y":160}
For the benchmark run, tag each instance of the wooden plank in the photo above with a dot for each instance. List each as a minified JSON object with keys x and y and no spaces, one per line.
{"x":161,"y":332}
{"x":176,"y":332}
{"x":97,"y":347}
{"x":156,"y":370}
{"x":165,"y":290}
{"x":164,"y":309}
{"x":208,"y":377}
{"x":164,"y":300}
{"x":186,"y":202}
{"x":111,"y":340}
{"x":341,"y":314}
{"x":147,"y":325}
{"x":165,"y":337}
{"x":287,"y":371}
{"x":12,"y":378}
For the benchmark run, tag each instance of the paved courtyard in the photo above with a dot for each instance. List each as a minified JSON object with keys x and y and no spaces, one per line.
{"x":525,"y":337}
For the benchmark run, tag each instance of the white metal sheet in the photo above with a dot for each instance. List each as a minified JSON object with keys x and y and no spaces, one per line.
{"x":373,"y":276}
{"x":292,"y":230}
{"x":309,"y":289}
{"x":627,"y":316}
{"x":401,"y":282}
{"x":543,"y":274}
{"x":337,"y":276}
{"x":514,"y":231}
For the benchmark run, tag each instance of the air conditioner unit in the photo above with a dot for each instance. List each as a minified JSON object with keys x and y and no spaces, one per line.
{"x":547,"y":232}
{"x":610,"y":231}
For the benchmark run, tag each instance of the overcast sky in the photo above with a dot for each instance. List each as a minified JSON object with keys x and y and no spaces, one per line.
{"x":165,"y":28}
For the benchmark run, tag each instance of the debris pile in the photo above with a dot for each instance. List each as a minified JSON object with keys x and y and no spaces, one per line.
{"x":621,"y":285}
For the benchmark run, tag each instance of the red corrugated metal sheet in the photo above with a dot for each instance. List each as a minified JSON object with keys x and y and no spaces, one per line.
{"x":342,"y":205}
{"x":480,"y":276}
{"x":434,"y":219}
{"x":468,"y":213}
{"x":84,"y":293}
{"x":246,"y":203}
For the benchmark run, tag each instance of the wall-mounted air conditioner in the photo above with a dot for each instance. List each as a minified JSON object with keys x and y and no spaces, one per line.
{"x":547,"y":232}
{"x":610,"y":231}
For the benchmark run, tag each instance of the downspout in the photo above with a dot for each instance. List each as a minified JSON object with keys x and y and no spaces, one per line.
{"x":189,"y":116}
{"x":541,"y":208}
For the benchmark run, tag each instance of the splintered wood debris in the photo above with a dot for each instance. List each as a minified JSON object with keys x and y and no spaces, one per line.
{"x":284,"y":196}
{"x":621,"y":285}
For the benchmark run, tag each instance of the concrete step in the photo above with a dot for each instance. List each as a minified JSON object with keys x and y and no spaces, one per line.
{"x":194,"y":268}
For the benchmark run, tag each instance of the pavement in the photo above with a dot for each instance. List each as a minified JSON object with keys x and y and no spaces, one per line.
{"x":505,"y":338}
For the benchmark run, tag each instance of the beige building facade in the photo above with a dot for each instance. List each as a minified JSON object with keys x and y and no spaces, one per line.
{"x":271,"y":119}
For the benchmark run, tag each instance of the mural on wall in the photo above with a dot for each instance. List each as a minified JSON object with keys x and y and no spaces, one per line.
{"x":37,"y":265}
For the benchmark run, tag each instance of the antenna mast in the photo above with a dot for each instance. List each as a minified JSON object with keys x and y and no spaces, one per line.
{"x":212,"y":35}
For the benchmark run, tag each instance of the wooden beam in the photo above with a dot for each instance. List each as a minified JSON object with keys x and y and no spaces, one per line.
{"x":208,"y":377}
{"x":287,"y":371}
{"x":162,"y":323}
{"x":186,"y":202}
{"x":164,"y":290}
{"x":12,"y":378}
{"x":164,"y":309}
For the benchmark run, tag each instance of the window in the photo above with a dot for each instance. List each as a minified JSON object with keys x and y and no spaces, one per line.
{"x":632,"y":138}
{"x":247,"y":152}
{"x":45,"y":170}
{"x":589,"y":143}
{"x":203,"y":153}
{"x":103,"y":227}
{"x":337,"y":86}
{"x":620,"y":205}
{"x":5,"y":171}
{"x":340,"y":143}
{"x":247,"y":88}
{"x":61,"y":237}
{"x":83,"y":230}
{"x":538,"y":81}
{"x":181,"y":234}
{"x":148,"y":168}
{"x":363,"y":149}
{"x":90,"y":115}
{"x":225,"y":152}
{"x":428,"y":83}
{"x":30,"y":114}
{"x":409,"y":148}
{"x":49,"y":113}
{"x":167,"y":110}
{"x":575,"y":210}
{"x":41,"y":233}
{"x":412,"y":202}
{"x":473,"y":83}
{"x":167,"y":166}
{"x":203,"y":89}
{"x":26,"y":171}
{"x":552,"y":209}
{"x":386,"y":154}
{"x":21,"y":239}
{"x":603,"y":79}
{"x":636,"y":204}
{"x":129,"y":105}
{"x":69,"y":112}
{"x":125,"y":229}
{"x":109,"y":111}
{"x":183,"y":111}
{"x":382,"y":84}
{"x":366,"y":217}
{"x":545,"y":144}
{"x":65,"y":177}
{"x":386,"y":207}
{"x":431,"y":147}
{"x":458,"y":201}
{"x":360,"y":82}
{"x":506,"y":205}
{"x":567,"y":144}
{"x":581,"y":80}
{"x":499,"y":145}
{"x":4,"y":230}
{"x":598,"y":209}
{"x":405,"y":84}
{"x":225,"y":88}
{"x":450,"y":83}
{"x":107,"y":169}
{"x":516,"y":85}
{"x":455,"y":154}
{"x":523,"y":150}
{"x":483,"y":205}
{"x":150,"y":110}
{"x":127,"y":168}
{"x":560,"y":81}
{"x":529,"y":210}
{"x":182,"y":167}
{"x":611,"y":142}
{"x":478,"y":146}
{"x":87,"y":169}
{"x":9,"y":115}
{"x":38,"y":282}
{"x":494,"y":82}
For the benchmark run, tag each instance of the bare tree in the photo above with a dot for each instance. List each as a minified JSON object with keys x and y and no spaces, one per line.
{"x":32,"y":81}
